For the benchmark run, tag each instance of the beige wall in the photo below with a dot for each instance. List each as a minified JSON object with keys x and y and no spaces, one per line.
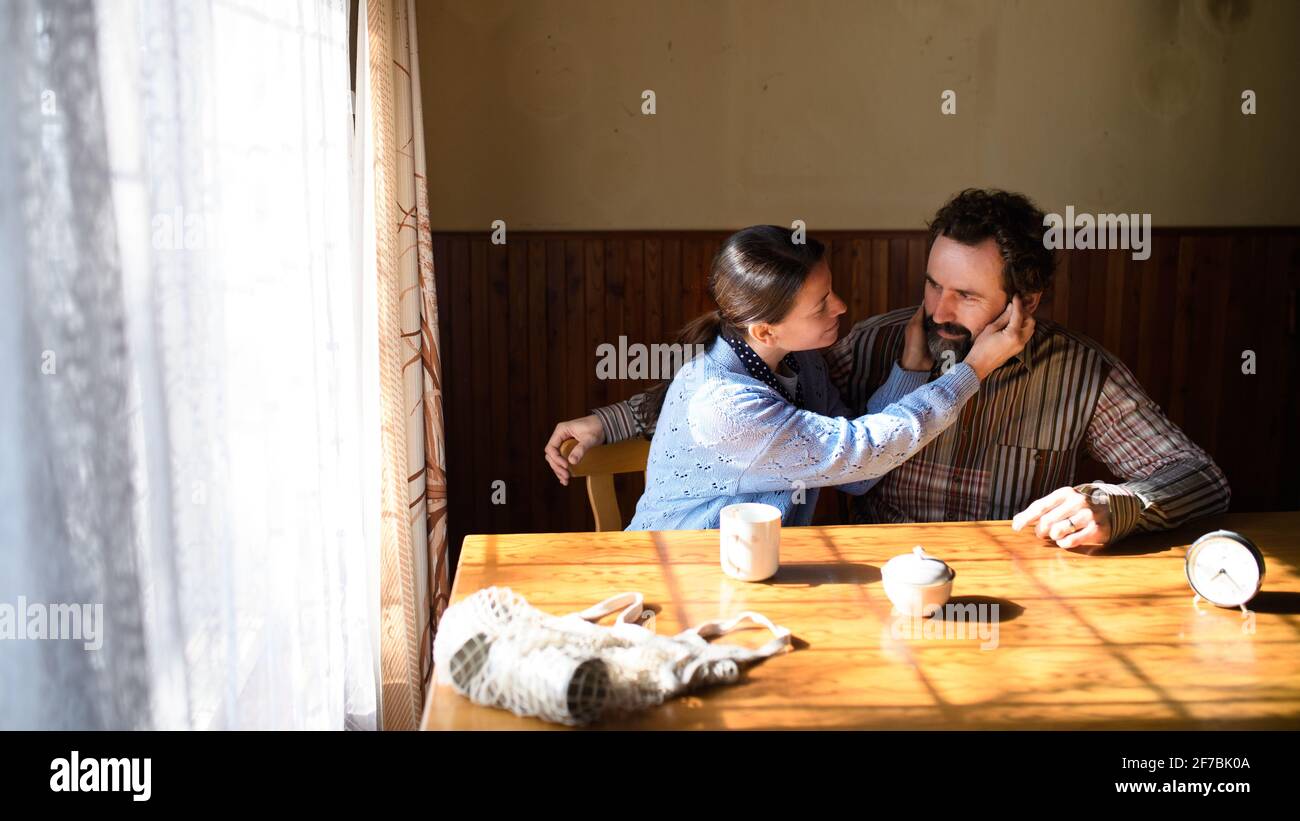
{"x":829,"y":112}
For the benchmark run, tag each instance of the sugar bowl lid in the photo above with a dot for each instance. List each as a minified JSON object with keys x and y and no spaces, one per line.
{"x":917,"y":567}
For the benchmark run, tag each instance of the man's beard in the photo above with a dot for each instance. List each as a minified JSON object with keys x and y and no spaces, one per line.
{"x":939,"y":347}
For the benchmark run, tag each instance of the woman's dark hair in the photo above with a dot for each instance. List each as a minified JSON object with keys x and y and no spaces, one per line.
{"x":1014,"y":223}
{"x":754,"y":278}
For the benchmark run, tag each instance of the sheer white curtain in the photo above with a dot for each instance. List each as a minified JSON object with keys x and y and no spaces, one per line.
{"x":188,"y":432}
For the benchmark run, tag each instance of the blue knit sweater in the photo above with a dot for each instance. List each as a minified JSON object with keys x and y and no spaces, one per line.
{"x":725,"y":437}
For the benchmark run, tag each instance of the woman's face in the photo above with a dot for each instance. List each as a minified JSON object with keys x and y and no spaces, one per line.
{"x":813,"y":320}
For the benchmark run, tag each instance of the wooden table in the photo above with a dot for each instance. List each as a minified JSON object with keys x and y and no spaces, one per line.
{"x":1109,"y":639}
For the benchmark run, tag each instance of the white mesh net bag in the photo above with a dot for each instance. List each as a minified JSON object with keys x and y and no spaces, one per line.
{"x":500,"y":651}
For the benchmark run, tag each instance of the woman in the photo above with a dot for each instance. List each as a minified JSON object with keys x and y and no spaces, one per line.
{"x":755,"y":418}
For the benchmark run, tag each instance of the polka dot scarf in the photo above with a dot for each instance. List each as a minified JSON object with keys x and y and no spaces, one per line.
{"x":759,"y":370}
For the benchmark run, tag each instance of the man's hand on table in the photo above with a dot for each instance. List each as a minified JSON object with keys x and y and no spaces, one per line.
{"x":1068,"y":518}
{"x":586,"y":429}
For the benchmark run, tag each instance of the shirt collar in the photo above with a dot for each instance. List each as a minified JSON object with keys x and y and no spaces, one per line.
{"x":759,"y":369}
{"x":1029,"y":353}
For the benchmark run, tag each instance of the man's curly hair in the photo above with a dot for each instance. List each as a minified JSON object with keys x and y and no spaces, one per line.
{"x":1014,"y":223}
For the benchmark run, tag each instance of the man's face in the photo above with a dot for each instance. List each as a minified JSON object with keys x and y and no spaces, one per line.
{"x":963,"y":293}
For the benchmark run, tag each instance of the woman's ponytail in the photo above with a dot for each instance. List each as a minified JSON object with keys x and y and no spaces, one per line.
{"x":754,"y":277}
{"x":701,"y":330}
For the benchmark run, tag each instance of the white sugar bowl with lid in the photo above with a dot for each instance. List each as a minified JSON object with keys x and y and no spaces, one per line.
{"x":917,"y":583}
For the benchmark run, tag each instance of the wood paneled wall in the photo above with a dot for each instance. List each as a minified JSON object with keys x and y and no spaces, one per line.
{"x":520,"y":324}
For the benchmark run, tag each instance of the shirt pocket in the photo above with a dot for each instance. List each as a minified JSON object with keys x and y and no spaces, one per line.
{"x":1021,"y":475}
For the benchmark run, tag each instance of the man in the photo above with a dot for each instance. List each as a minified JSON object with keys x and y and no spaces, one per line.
{"x":1015,"y":447}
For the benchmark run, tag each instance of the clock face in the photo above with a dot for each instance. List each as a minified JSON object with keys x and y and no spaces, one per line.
{"x":1223,"y":570}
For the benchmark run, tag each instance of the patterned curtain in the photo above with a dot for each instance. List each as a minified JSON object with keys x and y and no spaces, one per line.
{"x":414,"y":579}
{"x":182,"y":435}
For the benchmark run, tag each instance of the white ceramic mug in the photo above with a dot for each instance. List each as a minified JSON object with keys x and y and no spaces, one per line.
{"x":751,"y":541}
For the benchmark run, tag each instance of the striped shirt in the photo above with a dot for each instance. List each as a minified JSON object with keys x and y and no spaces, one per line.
{"x":1019,"y":438}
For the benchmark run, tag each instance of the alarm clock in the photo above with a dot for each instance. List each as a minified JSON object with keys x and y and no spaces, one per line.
{"x":1225,"y":568}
